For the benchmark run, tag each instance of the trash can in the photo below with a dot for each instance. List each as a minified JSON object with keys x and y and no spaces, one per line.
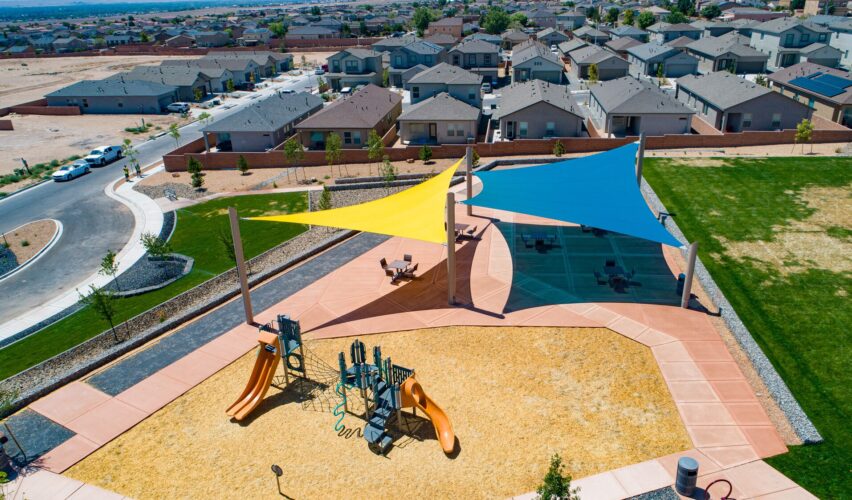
{"x":687,"y":476}
{"x":681,"y":279}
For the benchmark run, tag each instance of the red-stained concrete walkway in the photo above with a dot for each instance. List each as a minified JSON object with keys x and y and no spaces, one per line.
{"x":728,"y":427}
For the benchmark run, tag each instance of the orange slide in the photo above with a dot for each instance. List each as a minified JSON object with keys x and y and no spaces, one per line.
{"x":260,"y":379}
{"x":413,"y":395}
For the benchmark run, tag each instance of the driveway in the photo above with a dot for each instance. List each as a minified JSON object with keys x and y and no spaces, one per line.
{"x":93,"y":222}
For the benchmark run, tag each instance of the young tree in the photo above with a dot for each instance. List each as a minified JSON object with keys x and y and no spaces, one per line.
{"x":804,"y":133}
{"x":198,"y":94}
{"x":475,"y":159}
{"x":676,"y":17}
{"x":645,"y":19}
{"x":558,"y":149}
{"x":612,"y":15}
{"x":129,"y":151}
{"x":103,"y":303}
{"x":242,"y":165}
{"x":495,"y":21}
{"x":144,"y":38}
{"x":421,"y":19}
{"x":761,"y":80}
{"x":293,"y":152}
{"x":174,"y":132}
{"x":197,"y":181}
{"x":628,"y":17}
{"x":686,"y":7}
{"x":109,"y":267}
{"x":333,"y":143}
{"x":324,"y":200}
{"x":425,"y":153}
{"x":155,"y":246}
{"x":557,"y":484}
{"x":593,"y":15}
{"x":386,"y":77}
{"x":375,"y":148}
{"x":593,"y":74}
{"x":388,"y":172}
{"x":205,"y":117}
{"x":711,"y":11}
{"x":518,"y":20}
{"x":193,"y":166}
{"x":661,"y":76}
{"x":230,"y":85}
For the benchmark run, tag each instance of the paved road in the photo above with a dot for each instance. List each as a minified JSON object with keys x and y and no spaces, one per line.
{"x":93,"y":223}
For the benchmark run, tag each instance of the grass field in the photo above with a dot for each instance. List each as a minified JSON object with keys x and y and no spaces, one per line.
{"x":776,"y":234}
{"x":196,"y":235}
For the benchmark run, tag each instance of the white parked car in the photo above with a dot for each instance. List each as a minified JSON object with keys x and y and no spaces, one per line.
{"x":99,"y":157}
{"x":319,"y":71}
{"x":68,"y":172}
{"x":178,"y":107}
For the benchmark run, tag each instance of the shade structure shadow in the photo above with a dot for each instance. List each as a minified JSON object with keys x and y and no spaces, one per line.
{"x":560,"y":268}
{"x":428,"y":291}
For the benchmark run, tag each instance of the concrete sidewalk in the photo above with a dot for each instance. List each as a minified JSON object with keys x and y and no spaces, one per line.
{"x":148,"y":218}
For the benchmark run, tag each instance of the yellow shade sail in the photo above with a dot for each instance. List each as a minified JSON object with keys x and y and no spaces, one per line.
{"x":417,"y":213}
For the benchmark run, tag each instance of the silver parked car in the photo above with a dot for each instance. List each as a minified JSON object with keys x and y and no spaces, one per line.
{"x":68,"y":172}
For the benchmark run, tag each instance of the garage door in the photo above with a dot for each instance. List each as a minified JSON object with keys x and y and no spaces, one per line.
{"x":678,"y":70}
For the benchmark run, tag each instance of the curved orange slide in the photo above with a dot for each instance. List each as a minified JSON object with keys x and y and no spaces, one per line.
{"x":413,"y":395}
{"x":260,"y":379}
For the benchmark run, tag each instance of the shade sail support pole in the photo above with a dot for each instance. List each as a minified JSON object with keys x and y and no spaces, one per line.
{"x":241,"y":264}
{"x":468,"y":158}
{"x":451,"y":248}
{"x":640,"y":158}
{"x":691,"y":255}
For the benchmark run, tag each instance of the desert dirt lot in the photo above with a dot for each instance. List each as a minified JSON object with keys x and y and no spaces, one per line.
{"x":28,"y":79}
{"x":515,"y":396}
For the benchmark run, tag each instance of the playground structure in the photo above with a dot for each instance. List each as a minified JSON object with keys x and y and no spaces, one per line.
{"x":384,"y":388}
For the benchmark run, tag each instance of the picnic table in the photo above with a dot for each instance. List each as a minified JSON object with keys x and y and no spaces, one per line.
{"x":399,"y":265}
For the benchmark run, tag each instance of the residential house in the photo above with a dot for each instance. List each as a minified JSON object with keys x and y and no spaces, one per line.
{"x":513,"y":37}
{"x":415,"y":53}
{"x":310,"y":33}
{"x":352,"y":118}
{"x":717,"y":28}
{"x":355,"y":66}
{"x":732,"y":104}
{"x":541,"y":18}
{"x":609,"y":65}
{"x":115,"y":96}
{"x":619,"y":46}
{"x":550,"y":36}
{"x":728,"y":52}
{"x":665,"y":32}
{"x":180,"y":42}
{"x":442,"y":39}
{"x":680,"y":44}
{"x":565,"y":48}
{"x":650,"y":57}
{"x":754,"y":14}
{"x":69,"y":44}
{"x":392,"y":43}
{"x":570,"y":20}
{"x":440,"y":119}
{"x":628,"y":107}
{"x":537,"y":110}
{"x":212,"y":39}
{"x":114,"y":40}
{"x":453,"y":80}
{"x":330,"y":23}
{"x":477,"y":56}
{"x":485,"y":37}
{"x":188,"y":80}
{"x":658,"y":12}
{"x":263,"y":124}
{"x":828,"y":91}
{"x":269,"y":62}
{"x":841,"y":35}
{"x":788,"y":41}
{"x":452,"y":26}
{"x":240,"y":72}
{"x":629,"y":32}
{"x":533,"y":61}
{"x":591,"y":35}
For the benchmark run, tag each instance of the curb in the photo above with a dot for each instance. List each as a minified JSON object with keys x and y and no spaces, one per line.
{"x":799,"y":420}
{"x":56,"y":234}
{"x":26,"y":188}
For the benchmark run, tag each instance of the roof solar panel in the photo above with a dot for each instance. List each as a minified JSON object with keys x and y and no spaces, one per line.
{"x":818,"y":87}
{"x":834,"y":81}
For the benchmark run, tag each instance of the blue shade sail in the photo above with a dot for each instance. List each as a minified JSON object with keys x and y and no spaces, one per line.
{"x":598,"y":191}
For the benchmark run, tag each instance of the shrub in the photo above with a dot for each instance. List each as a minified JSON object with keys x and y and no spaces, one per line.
{"x":556,"y":484}
{"x":425,"y":153}
{"x":25,"y":243}
{"x":324,"y":200}
{"x":558,"y":149}
{"x":154,"y":245}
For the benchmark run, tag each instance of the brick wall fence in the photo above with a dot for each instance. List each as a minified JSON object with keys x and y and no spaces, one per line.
{"x":176,"y":160}
{"x":6,"y":125}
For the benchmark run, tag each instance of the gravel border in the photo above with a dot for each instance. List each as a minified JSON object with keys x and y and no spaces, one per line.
{"x":779,"y":391}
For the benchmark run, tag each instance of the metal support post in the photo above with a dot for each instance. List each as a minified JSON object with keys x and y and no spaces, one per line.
{"x":469,"y":177}
{"x":640,"y":157}
{"x":451,"y":248}
{"x":241,"y":264}
{"x":690,"y":272}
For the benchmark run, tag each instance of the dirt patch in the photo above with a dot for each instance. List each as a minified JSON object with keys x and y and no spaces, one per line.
{"x":28,"y":240}
{"x":514,"y":395}
{"x":800,"y":245}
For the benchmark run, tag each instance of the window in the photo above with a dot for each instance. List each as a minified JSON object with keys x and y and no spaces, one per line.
{"x":746,"y":120}
{"x":761,"y":36}
{"x":471,"y":95}
{"x":120,"y":104}
{"x":523,"y":128}
{"x":805,"y":37}
{"x":85,"y":103}
{"x":356,"y":137}
{"x":347,"y":137}
{"x":788,"y":40}
{"x":455,"y":59}
{"x":811,"y":103}
{"x":451,"y":130}
{"x":776,"y":120}
{"x":821,"y":37}
{"x":415,"y":92}
{"x":550,"y":128}
{"x":488,"y":59}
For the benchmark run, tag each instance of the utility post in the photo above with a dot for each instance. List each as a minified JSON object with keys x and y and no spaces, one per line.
{"x":241,"y":264}
{"x":640,"y":157}
{"x":451,"y":248}
{"x":468,"y":156}
{"x":692,"y":254}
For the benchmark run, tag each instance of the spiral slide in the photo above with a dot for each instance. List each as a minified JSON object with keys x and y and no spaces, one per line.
{"x":413,"y":395}
{"x":260,"y":379}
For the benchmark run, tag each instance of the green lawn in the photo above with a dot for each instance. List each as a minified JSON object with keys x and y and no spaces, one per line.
{"x":800,"y":318}
{"x":196,"y":235}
